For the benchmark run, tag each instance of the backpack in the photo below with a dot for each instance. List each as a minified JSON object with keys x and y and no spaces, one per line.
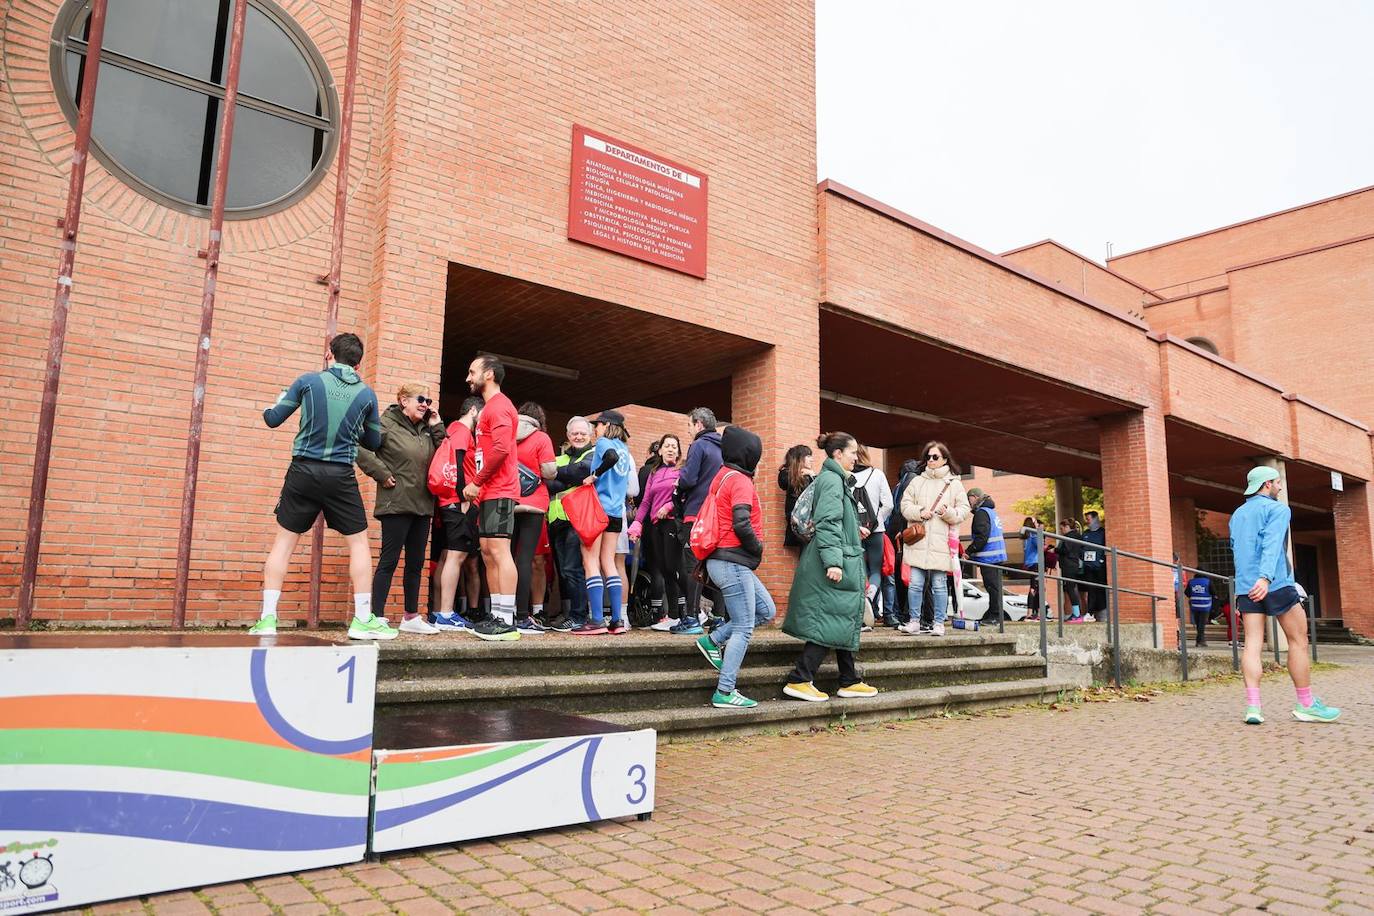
{"x":443,"y":471}
{"x":803,"y":525}
{"x":868,"y":515}
{"x":705,"y":536}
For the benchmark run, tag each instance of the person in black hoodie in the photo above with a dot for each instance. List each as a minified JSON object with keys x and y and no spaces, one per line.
{"x":731,"y":565}
{"x":698,"y":471}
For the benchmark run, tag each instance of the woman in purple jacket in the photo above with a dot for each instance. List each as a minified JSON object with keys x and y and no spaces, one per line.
{"x":666,"y":535}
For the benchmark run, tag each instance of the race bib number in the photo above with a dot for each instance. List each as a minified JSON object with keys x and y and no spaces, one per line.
{"x":1090,"y":556}
{"x":477,"y":459}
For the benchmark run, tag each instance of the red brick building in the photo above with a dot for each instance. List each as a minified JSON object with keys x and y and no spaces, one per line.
{"x":820,"y":307}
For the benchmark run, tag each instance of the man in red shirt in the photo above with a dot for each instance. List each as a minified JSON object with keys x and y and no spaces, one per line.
{"x":495,"y":486}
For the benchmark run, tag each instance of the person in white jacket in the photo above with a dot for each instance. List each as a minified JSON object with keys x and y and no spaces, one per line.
{"x":936,"y":498}
{"x":873,"y":492}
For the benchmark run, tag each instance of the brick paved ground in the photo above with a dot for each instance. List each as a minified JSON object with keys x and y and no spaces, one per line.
{"x":1108,"y":807}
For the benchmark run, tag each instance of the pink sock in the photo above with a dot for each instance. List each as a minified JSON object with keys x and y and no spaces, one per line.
{"x":1252,"y":696}
{"x":1305,"y":696}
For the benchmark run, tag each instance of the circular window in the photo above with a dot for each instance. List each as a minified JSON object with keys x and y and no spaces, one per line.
{"x":1204,"y":344}
{"x":161,"y":88}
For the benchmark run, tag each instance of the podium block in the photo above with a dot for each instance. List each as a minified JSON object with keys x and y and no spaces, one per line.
{"x":138,"y":763}
{"x":445,"y":777}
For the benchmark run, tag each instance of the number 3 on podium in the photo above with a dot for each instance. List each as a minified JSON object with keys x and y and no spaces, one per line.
{"x":637,"y":774}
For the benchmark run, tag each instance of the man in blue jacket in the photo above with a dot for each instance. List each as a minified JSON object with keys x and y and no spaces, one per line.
{"x":703,"y":460}
{"x":1265,"y":587}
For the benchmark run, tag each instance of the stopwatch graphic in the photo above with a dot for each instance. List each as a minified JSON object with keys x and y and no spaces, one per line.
{"x":36,"y":871}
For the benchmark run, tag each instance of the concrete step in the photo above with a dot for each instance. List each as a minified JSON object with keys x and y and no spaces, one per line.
{"x":462,"y":655}
{"x":699,"y":720}
{"x":595,"y":694}
{"x":1326,"y":634}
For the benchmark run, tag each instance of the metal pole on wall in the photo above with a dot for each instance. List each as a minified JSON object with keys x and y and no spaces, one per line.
{"x":57,"y":336}
{"x":1182,"y":623}
{"x":1233,"y":623}
{"x":1114,"y":614}
{"x":1040,"y":585}
{"x":331,"y":319}
{"x":207,"y":312}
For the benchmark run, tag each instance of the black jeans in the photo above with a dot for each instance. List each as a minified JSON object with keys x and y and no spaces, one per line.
{"x":572,"y":579}
{"x":412,"y":533}
{"x":1097,"y":595}
{"x":523,"y":545}
{"x":810,"y":659}
{"x":665,"y":539}
{"x":992,"y":581}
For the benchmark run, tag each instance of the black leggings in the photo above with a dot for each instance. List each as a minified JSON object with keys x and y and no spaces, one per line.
{"x":526,"y":541}
{"x":666,"y":555}
{"x":810,"y":660}
{"x":412,"y":533}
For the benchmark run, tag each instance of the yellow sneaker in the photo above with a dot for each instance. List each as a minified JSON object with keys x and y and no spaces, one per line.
{"x":857,"y":690}
{"x":805,"y":691}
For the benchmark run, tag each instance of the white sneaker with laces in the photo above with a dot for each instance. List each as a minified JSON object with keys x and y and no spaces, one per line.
{"x":938,"y":630}
{"x":911,"y":627}
{"x":418,"y":625}
{"x":664,"y":625}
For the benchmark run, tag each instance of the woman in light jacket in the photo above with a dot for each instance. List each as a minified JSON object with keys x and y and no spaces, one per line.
{"x":935,"y":497}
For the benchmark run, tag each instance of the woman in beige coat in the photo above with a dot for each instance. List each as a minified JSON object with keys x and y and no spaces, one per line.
{"x":935,"y":497}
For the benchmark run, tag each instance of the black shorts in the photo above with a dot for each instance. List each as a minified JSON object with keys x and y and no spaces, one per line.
{"x":460,"y":528}
{"x":1275,"y":603}
{"x":496,"y":518}
{"x":312,"y":487}
{"x":615,"y":525}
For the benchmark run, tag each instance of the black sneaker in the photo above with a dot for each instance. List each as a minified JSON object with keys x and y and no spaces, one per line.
{"x":560,"y":624}
{"x":494,"y":630}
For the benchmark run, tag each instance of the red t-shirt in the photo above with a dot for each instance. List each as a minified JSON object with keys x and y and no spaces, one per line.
{"x":461,"y":437}
{"x":496,"y":472}
{"x":738,"y":490}
{"x":532,"y":451}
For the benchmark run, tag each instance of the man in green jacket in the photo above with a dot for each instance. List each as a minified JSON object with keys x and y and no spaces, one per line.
{"x":826,"y":605}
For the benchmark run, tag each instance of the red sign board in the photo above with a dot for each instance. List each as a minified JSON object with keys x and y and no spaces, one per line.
{"x":631,"y":201}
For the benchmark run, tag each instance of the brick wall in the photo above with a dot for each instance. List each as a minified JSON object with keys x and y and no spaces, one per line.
{"x":1075,"y":272}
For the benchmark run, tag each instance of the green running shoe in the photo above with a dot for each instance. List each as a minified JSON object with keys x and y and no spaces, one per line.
{"x":373,"y":628}
{"x":712,"y":653}
{"x":1317,"y":712}
{"x":732,"y":700}
{"x":1253,"y":716}
{"x":267,"y":626}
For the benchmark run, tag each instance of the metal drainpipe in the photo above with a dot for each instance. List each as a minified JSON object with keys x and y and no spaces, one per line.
{"x":331,"y":320}
{"x":207,"y":313}
{"x":57,"y":336}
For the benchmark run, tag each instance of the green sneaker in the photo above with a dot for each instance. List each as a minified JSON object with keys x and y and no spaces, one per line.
{"x":732,"y":700}
{"x":712,"y":653}
{"x":1253,"y":716}
{"x":267,"y":626}
{"x":374,"y":628}
{"x":1317,"y":712}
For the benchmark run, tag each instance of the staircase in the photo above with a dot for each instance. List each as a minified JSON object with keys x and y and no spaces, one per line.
{"x":1330,"y":631}
{"x":661,"y":681}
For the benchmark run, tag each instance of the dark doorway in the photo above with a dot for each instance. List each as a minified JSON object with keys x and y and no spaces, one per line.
{"x":1307,"y":570}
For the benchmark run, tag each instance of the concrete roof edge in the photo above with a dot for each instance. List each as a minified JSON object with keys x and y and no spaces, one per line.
{"x":1082,"y":257}
{"x":1294,"y":396}
{"x":1201,"y":292}
{"x":1298,"y":254}
{"x":1253,"y":219}
{"x":1163,"y":338}
{"x":906,"y":219}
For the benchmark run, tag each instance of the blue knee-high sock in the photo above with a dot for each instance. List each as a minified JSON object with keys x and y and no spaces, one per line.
{"x":595,"y":595}
{"x":616,"y":587}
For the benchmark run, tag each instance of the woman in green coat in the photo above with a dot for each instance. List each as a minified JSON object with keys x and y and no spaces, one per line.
{"x":826,"y":605}
{"x":411,"y":431}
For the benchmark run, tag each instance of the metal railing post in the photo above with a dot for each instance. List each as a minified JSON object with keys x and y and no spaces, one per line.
{"x":1114,"y":612}
{"x":57,"y":335}
{"x":1040,"y":585}
{"x":1154,"y":621}
{"x":1274,"y":637}
{"x":1233,"y":624}
{"x":1182,"y":624}
{"x":1312,"y":625}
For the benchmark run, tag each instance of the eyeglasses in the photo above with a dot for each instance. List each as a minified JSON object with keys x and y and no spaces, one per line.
{"x":424,"y":400}
{"x":934,"y":456}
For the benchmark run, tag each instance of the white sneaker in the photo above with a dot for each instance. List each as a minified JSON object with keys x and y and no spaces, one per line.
{"x":664,"y":625}
{"x":911,"y":628}
{"x":1089,"y":618}
{"x":938,"y":630}
{"x":418,"y":625}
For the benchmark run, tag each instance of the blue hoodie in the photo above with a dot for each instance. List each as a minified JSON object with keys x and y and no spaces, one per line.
{"x":611,"y":485}
{"x":703,"y":460}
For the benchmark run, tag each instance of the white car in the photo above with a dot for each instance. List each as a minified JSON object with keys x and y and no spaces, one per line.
{"x":973,"y":602}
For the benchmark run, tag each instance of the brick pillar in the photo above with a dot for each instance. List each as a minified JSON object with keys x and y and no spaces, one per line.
{"x":1183,"y":510}
{"x":776,"y":394}
{"x":1068,"y":500}
{"x":1354,"y":512}
{"x":1135,"y":493}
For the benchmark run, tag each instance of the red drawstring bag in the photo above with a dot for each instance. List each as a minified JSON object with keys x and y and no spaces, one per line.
{"x":705,"y":534}
{"x":443,"y":471}
{"x":889,"y":556}
{"x":584,"y":511}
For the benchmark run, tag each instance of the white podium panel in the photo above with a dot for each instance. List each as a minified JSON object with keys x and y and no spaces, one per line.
{"x":449,"y":777}
{"x":132,"y":764}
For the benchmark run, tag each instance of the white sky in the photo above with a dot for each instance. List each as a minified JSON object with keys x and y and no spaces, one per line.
{"x":1126,"y":121}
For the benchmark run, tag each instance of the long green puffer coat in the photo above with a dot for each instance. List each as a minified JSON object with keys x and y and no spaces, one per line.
{"x":829,"y":613}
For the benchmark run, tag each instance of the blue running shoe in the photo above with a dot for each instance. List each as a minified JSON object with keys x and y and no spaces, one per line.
{"x":688,"y":627}
{"x":1317,"y":712}
{"x":451,"y":623}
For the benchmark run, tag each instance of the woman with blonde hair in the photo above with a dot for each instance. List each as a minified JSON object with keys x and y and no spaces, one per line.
{"x":411,"y":431}
{"x":935,"y":505}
